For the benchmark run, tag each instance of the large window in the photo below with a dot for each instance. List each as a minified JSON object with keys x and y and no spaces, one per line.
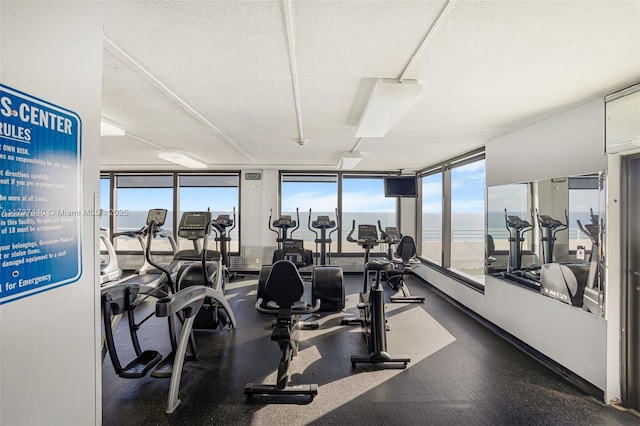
{"x":360,"y":197}
{"x":467,"y":218}
{"x":303,"y":192}
{"x":217,"y":193}
{"x":137,"y":194}
{"x":363,"y":201}
{"x":453,"y":216}
{"x":432,"y":217}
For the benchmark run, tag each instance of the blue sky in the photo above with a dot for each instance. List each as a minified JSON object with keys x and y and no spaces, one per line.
{"x":467,"y":190}
{"x":359,"y":195}
{"x":191,"y":199}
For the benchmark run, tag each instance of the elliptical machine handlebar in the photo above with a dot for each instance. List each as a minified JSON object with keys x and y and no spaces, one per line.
{"x":336,"y":227}
{"x":514,"y":222}
{"x":269,"y":223}
{"x":205,"y":245}
{"x":386,"y":237}
{"x":142,"y":232}
{"x":147,"y":255}
{"x":234,"y":222}
{"x":554,"y":225}
{"x":350,"y":235}
{"x":309,"y":226}
{"x":296,"y":223}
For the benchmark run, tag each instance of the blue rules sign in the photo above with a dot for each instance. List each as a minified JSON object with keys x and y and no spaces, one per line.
{"x":40,"y":190}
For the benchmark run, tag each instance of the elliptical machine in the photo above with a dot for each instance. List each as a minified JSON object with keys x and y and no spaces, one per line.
{"x":517,"y":228}
{"x":205,"y":268}
{"x":323,"y":223}
{"x":371,"y":306}
{"x":592,"y":301}
{"x":123,"y":298}
{"x":327,"y":280}
{"x":288,"y":247}
{"x":224,"y":226}
{"x":549,"y":227}
{"x":561,"y":281}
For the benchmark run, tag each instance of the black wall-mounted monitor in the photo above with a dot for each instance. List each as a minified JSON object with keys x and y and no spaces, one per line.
{"x":401,"y":186}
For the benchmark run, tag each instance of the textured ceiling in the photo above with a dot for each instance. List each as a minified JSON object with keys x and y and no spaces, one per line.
{"x":213,"y":78}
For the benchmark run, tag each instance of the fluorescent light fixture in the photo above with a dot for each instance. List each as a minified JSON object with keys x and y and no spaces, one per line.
{"x":348,"y":160}
{"x":108,"y":129}
{"x":182,"y":159}
{"x":388,"y":102}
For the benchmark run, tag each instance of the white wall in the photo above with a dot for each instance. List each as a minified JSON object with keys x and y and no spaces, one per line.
{"x":613,"y":276}
{"x":568,"y":144}
{"x":49,"y":358}
{"x":257,"y":197}
{"x":252,"y":195}
{"x":408,"y":217}
{"x":573,"y":338}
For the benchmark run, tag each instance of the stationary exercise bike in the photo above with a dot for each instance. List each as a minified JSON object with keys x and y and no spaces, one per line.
{"x":285,"y":287}
{"x":371,"y":306}
{"x":406,"y":250}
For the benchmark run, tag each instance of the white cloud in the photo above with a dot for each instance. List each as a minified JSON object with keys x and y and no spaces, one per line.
{"x":432,"y":189}
{"x":310,"y":199}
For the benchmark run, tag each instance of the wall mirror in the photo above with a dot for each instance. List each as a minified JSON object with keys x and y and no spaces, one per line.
{"x":556,"y":221}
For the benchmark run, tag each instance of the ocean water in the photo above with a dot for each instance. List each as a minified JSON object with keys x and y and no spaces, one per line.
{"x":466,"y":227}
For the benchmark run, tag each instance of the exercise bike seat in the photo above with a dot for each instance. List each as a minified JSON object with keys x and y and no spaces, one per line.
{"x":300,"y":304}
{"x":378,"y":265}
{"x":285,"y":287}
